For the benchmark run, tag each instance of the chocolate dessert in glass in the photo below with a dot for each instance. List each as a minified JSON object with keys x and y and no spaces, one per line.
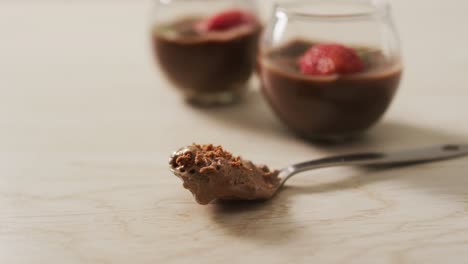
{"x":206,"y":48}
{"x":330,"y":69}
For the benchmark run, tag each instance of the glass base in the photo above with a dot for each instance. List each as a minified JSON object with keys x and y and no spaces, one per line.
{"x":215,"y":99}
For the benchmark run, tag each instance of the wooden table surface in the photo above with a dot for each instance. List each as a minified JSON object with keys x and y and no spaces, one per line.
{"x":87,"y":124}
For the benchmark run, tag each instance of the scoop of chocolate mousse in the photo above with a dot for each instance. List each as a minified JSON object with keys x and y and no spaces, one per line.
{"x":210,"y":173}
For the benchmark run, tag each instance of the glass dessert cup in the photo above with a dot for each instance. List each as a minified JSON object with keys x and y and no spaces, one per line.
{"x":330,"y":68}
{"x":206,"y":48}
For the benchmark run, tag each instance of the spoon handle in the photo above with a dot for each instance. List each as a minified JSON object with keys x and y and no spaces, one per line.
{"x":380,"y":159}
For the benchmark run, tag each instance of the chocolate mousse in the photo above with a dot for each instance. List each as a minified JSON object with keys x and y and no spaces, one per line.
{"x":331,"y":91}
{"x":210,"y":173}
{"x":208,"y":57}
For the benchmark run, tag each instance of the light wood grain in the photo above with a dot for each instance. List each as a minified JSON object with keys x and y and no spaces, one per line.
{"x":87,"y":124}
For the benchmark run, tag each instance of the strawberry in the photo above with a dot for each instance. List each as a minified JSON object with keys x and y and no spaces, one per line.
{"x":330,"y":58}
{"x":225,"y":20}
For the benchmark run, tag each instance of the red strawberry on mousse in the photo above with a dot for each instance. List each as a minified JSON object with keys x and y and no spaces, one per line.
{"x":326,"y":59}
{"x":225,"y":20}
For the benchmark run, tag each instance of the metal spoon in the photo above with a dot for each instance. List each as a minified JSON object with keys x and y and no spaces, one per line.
{"x":218,"y":185}
{"x":378,"y":159}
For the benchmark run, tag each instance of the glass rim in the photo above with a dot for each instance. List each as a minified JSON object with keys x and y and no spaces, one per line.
{"x":375,"y":8}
